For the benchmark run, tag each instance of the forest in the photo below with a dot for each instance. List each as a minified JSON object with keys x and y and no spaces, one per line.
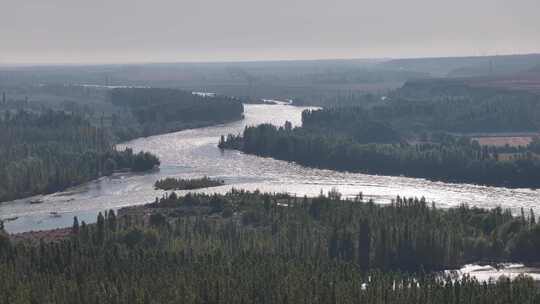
{"x":48,"y":152}
{"x":452,"y":159}
{"x":428,"y":106}
{"x":245,"y":247}
{"x":128,"y":112}
{"x":419,"y":131}
{"x":459,"y":106}
{"x":50,"y":145}
{"x":193,"y":152}
{"x":307,"y":82}
{"x":159,"y":110}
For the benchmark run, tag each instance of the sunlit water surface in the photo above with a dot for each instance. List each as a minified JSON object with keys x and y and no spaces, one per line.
{"x":487,"y":273}
{"x":193,"y":153}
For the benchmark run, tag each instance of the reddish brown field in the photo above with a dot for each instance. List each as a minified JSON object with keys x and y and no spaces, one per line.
{"x":45,"y":235}
{"x":501,"y":141}
{"x":508,"y":156}
{"x":527,"y":81}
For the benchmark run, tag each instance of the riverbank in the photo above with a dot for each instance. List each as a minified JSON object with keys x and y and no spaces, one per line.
{"x":487,"y":273}
{"x":107,"y":171}
{"x":152,"y":130}
{"x":255,"y":212}
{"x":193,"y":153}
{"x":451,"y":160}
{"x":49,"y":151}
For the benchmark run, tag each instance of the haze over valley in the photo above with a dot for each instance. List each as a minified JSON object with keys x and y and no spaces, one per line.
{"x":250,"y":152}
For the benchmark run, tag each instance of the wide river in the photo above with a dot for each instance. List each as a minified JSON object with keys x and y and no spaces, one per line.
{"x":193,"y":153}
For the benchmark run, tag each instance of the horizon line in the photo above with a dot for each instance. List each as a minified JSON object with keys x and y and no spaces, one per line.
{"x":233,"y":61}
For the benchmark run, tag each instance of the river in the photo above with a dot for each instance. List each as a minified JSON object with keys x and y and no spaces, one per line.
{"x":193,"y":153}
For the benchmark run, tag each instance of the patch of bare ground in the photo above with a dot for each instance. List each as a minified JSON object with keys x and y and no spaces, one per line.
{"x":501,"y":141}
{"x":526,"y":81}
{"x":45,"y":235}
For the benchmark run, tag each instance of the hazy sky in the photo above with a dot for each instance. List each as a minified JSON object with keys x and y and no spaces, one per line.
{"x":212,"y":30}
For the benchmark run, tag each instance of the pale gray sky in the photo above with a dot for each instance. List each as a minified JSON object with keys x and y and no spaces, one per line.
{"x":93,"y":31}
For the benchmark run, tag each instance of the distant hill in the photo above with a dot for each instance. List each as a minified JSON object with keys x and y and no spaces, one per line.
{"x":528,"y":81}
{"x":466,"y":66}
{"x":313,"y":81}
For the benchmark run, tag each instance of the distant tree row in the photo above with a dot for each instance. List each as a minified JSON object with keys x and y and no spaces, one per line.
{"x":171,"y":183}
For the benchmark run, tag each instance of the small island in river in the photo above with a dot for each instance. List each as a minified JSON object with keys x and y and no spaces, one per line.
{"x":187,"y":184}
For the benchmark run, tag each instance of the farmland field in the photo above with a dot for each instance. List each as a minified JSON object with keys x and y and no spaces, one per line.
{"x":501,"y":141}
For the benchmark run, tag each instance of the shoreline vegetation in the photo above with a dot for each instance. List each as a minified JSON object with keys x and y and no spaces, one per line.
{"x":152,"y":111}
{"x":46,"y":151}
{"x":437,"y":118}
{"x":413,"y":133}
{"x":266,"y":245}
{"x":457,"y":160}
{"x":129,"y":134}
{"x":187,"y":184}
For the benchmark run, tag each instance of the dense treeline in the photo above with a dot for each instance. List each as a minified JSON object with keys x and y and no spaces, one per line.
{"x":43,"y":153}
{"x":407,"y":134}
{"x":455,"y":106}
{"x":408,"y":137}
{"x":430,"y":106}
{"x":44,"y":150}
{"x":451,"y":159}
{"x":258,"y":248}
{"x":156,"y":110}
{"x":352,"y":122}
{"x":171,"y":183}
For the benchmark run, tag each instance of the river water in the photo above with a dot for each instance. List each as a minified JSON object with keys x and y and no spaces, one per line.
{"x":193,"y":153}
